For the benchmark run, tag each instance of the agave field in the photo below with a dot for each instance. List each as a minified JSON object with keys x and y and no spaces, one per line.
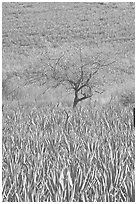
{"x":53,"y":154}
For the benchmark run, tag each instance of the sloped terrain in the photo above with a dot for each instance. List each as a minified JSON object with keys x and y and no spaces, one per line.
{"x":50,"y":151}
{"x":31,"y":29}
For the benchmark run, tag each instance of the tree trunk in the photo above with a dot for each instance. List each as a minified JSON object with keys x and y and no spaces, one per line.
{"x":75,"y":103}
{"x":76,"y":100}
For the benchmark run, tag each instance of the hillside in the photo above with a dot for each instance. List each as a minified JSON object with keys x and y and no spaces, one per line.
{"x":31,"y":29}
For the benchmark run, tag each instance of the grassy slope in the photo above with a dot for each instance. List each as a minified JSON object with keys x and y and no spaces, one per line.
{"x":31,"y":28}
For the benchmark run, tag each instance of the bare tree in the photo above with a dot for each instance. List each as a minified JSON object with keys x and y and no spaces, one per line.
{"x":76,"y":72}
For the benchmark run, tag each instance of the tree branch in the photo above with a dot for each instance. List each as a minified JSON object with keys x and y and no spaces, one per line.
{"x":85,"y":97}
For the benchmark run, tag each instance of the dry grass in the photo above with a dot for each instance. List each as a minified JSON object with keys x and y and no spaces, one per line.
{"x":89,"y":158}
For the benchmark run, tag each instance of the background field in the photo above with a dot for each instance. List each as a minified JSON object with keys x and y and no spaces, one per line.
{"x":29,"y":30}
{"x":50,"y":151}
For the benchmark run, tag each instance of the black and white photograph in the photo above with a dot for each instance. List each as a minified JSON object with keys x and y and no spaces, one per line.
{"x":68,"y":101}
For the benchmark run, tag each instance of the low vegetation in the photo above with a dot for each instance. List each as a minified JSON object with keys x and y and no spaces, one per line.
{"x":62,"y":155}
{"x":78,"y":55}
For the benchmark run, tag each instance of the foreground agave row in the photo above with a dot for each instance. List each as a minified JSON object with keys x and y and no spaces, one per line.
{"x":88,"y":156}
